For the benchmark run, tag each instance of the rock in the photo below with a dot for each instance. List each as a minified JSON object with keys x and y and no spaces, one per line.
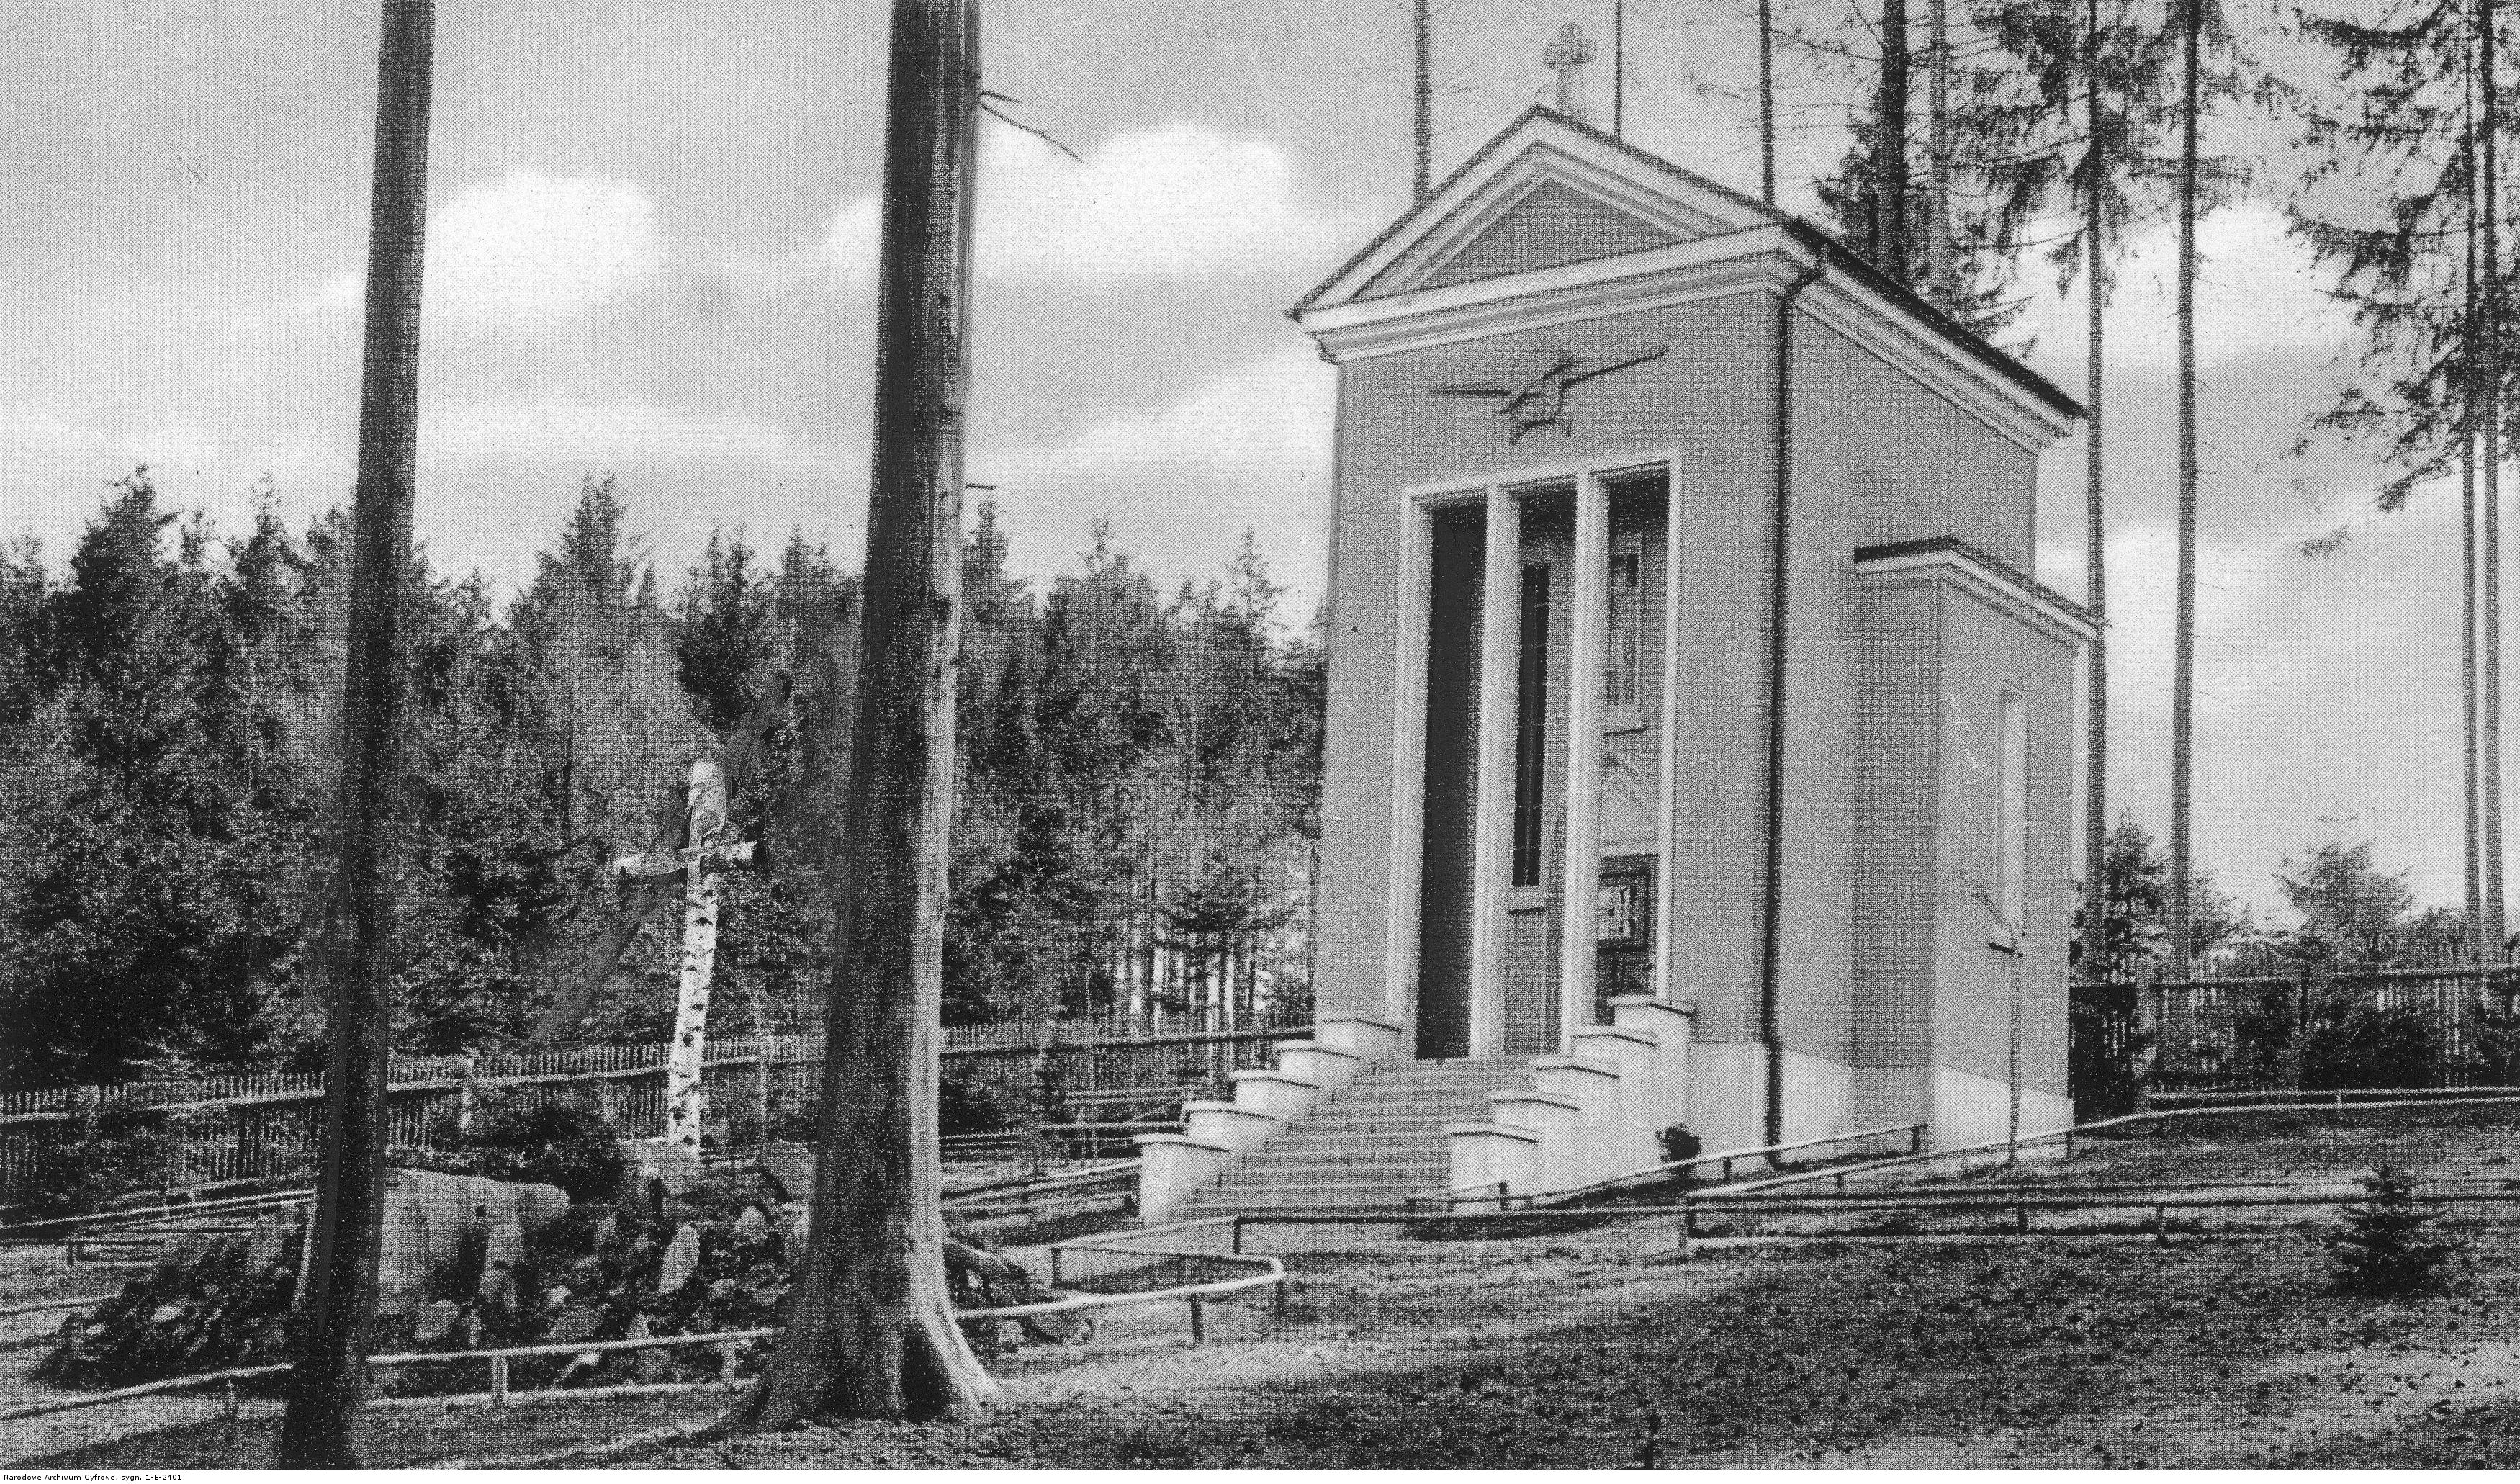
{"x":408,"y":1261}
{"x":651,"y":1364}
{"x":266,"y":1246}
{"x":436,"y":1320}
{"x":434,"y":1222}
{"x":652,"y":1174}
{"x":682,"y":1259}
{"x":607,"y":1233}
{"x":167,"y":1313}
{"x":181,"y":1256}
{"x":576,"y":1322}
{"x":789,"y":1167}
{"x":752,"y":1226}
{"x":554,"y":1295}
{"x":500,"y":1258}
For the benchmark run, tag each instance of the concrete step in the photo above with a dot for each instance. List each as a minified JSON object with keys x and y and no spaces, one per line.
{"x":1465,"y":1095}
{"x":1303,"y":1196}
{"x":1435,"y":1076}
{"x":1330,"y":1144}
{"x":1474,"y":1094}
{"x":1397,"y":1172}
{"x":1393,"y":1125}
{"x":1298,"y":1153}
{"x":1455,"y":1064}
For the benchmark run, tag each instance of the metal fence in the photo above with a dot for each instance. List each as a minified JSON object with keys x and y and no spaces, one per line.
{"x":2435,"y":1025}
{"x":267,"y":1126}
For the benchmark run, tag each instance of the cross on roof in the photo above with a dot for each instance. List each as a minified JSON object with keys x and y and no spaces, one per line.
{"x":1566,"y":57}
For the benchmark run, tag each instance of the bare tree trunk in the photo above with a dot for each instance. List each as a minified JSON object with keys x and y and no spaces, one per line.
{"x":1938,"y":157}
{"x":1420,"y":181}
{"x":1767,"y":103}
{"x":2467,"y":564}
{"x":1890,"y":146}
{"x":1618,"y":69}
{"x":2095,"y":590}
{"x":870,"y":1328}
{"x":2183,"y":684}
{"x":325,"y":1424}
{"x":704,"y":813}
{"x":2490,"y":617}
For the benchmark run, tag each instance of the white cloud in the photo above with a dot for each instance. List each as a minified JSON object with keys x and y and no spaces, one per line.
{"x":600,"y":433}
{"x":2258,"y":293}
{"x":532,"y":249}
{"x":1266,"y":421}
{"x":1178,"y":202}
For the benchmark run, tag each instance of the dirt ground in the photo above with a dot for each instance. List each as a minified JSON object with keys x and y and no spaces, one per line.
{"x":1603,"y":1348}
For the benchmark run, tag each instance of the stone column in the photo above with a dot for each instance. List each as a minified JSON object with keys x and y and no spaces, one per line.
{"x":1588,"y":641}
{"x":1500,"y":674}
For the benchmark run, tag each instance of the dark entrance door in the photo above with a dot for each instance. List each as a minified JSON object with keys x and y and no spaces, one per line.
{"x":1451,"y":818}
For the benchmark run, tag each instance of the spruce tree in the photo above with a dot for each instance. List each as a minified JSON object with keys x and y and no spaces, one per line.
{"x":2386,"y":1247}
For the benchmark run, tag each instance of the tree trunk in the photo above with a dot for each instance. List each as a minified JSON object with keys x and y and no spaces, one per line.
{"x":870,"y":1329}
{"x":2183,"y":684}
{"x":1618,"y":69}
{"x":704,"y":813}
{"x":2096,"y":587}
{"x":326,"y":1423}
{"x":1767,"y":103}
{"x":2489,"y":599}
{"x":1890,"y":146}
{"x":2468,"y":561}
{"x":1423,"y":25}
{"x":1938,"y":157}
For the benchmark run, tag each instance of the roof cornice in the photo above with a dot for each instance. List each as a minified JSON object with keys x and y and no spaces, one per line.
{"x":1759,"y":260}
{"x":1542,"y":298}
{"x":1998,"y":584}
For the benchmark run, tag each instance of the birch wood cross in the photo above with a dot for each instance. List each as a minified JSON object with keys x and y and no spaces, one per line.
{"x":698,"y":864}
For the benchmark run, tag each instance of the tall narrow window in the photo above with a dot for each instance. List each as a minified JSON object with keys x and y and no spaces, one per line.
{"x":1530,"y":725}
{"x":1620,"y":706}
{"x":2011,"y":882}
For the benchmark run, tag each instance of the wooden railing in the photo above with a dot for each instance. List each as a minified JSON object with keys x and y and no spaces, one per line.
{"x":266,"y":1127}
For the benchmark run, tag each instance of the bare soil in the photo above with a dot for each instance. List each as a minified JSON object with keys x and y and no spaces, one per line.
{"x":1603,"y":1348}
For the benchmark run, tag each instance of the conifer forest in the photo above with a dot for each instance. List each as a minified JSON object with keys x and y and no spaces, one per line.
{"x":1135,"y":791}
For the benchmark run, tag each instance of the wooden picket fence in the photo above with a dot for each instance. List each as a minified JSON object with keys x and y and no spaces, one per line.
{"x":2275,"y":1026}
{"x":264,"y":1126}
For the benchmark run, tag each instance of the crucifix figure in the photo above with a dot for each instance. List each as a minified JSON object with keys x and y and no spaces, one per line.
{"x":698,"y":863}
{"x":1566,"y":57}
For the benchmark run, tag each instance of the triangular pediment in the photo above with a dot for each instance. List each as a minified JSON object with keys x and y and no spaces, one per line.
{"x":1551,"y":223}
{"x":1545,"y":193}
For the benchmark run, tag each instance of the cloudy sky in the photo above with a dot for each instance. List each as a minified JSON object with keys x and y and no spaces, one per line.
{"x":651,"y":248}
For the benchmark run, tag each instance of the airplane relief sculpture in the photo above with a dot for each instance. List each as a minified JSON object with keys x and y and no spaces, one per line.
{"x":1535,"y":390}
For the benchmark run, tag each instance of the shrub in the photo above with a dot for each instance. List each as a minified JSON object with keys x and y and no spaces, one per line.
{"x":115,"y":1153}
{"x":2371,"y":1046}
{"x":963,"y":1107}
{"x":2104,"y":1049}
{"x":2384,"y":1250}
{"x":554,"y":1140}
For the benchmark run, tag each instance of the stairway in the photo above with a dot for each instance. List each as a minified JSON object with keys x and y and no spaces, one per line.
{"x":1377,"y":1143}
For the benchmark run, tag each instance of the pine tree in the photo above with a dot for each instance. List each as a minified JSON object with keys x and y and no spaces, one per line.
{"x":2386,"y":1247}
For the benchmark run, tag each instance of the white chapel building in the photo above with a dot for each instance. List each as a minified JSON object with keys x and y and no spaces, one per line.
{"x":1699,"y":749}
